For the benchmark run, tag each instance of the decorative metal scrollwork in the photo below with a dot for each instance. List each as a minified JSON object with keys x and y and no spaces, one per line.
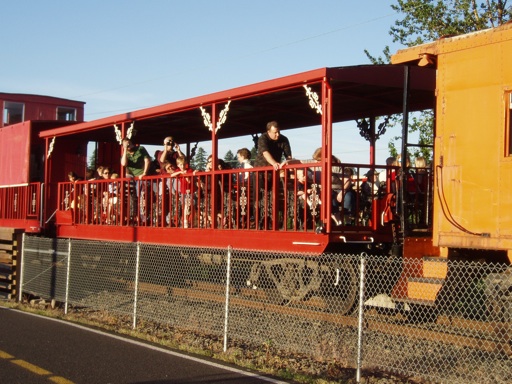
{"x":187,"y":208}
{"x":193,"y":150}
{"x":223,"y":116}
{"x":66,"y":200}
{"x":50,"y":148}
{"x":314,"y":102}
{"x":34,"y":202}
{"x":207,"y":120}
{"x":131,"y":131}
{"x":117,"y":131}
{"x":314,"y":199}
{"x":365,"y":131}
{"x":243,"y":201}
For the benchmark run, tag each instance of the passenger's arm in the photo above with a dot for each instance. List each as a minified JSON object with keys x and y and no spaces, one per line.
{"x":270,"y":160}
{"x":163,"y":154}
{"x":147,"y":163}
{"x":124,"y":157}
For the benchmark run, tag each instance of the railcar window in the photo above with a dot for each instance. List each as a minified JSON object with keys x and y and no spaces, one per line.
{"x":13,"y":112}
{"x":508,"y":135}
{"x":66,"y":114}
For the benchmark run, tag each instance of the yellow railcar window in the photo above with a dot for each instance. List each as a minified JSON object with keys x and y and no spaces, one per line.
{"x":508,"y":133}
{"x":508,"y":129}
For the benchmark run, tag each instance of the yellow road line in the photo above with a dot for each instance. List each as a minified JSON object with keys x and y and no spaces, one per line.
{"x":5,"y":355}
{"x":60,"y":380}
{"x":34,"y":368}
{"x":31,"y":367}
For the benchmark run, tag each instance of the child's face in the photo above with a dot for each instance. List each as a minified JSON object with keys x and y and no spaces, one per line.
{"x":181,"y":166}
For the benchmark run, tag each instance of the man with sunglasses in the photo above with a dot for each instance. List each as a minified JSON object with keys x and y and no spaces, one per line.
{"x":169,"y":154}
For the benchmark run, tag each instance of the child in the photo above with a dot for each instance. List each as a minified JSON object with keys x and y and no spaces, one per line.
{"x":184,"y":187}
{"x":112,"y":200}
{"x":306,"y":193}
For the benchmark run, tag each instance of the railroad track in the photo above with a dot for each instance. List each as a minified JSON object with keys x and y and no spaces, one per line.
{"x":491,"y":337}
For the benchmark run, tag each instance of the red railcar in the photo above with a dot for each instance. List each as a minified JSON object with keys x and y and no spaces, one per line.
{"x":22,"y":155}
{"x":221,"y":208}
{"x":319,"y":98}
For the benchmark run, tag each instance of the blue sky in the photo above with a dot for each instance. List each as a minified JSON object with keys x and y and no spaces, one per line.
{"x":122,"y":55}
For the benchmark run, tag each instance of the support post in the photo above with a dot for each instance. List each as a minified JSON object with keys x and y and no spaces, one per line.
{"x":136,"y":288}
{"x":226,"y":311}
{"x":68,"y":269}
{"x":361,"y":317}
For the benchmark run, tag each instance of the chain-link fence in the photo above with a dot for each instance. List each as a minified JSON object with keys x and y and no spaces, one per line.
{"x":444,"y":321}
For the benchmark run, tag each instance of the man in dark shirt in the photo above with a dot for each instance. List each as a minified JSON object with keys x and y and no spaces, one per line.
{"x":272,"y":146}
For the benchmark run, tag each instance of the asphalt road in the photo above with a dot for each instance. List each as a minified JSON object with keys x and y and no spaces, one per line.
{"x":36,"y":349}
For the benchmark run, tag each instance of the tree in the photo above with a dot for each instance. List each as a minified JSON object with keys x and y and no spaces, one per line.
{"x":198,"y":162}
{"x":230,"y":159}
{"x":429,"y":20}
{"x":92,"y":160}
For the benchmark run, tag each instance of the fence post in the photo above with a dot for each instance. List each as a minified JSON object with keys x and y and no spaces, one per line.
{"x":136,"y":288}
{"x":226,"y":312}
{"x":361,"y":317}
{"x":68,"y":268}
{"x":22,"y":266}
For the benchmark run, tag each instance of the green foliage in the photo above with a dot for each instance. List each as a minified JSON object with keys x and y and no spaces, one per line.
{"x":230,"y":159}
{"x":380,"y":60}
{"x":423,"y":124}
{"x":429,"y":20}
{"x":92,"y":160}
{"x":198,"y":162}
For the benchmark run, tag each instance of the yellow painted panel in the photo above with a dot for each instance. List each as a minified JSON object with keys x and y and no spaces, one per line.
{"x":435,"y":268}
{"x":473,"y":176}
{"x":422,"y":291}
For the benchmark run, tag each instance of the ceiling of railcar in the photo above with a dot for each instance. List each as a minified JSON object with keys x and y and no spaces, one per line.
{"x":359,"y":91}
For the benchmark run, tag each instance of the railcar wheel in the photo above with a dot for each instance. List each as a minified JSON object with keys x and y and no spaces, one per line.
{"x":294,"y":279}
{"x":340,"y":286}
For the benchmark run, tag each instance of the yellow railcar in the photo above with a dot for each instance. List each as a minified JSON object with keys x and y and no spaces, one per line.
{"x":473,"y":140}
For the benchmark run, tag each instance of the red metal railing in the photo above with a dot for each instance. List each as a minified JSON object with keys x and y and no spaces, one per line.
{"x":291,"y":199}
{"x":20,"y":202}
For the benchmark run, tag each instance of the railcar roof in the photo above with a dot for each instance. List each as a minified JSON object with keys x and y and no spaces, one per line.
{"x":357,"y":92}
{"x":448,"y":44}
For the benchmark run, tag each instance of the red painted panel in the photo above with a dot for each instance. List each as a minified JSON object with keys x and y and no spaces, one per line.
{"x":258,"y":240}
{"x":14,"y":154}
{"x":40,"y":107}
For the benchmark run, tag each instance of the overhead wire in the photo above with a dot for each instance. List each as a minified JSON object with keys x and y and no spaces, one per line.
{"x":221,"y":62}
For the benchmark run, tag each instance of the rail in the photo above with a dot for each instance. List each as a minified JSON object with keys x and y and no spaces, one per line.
{"x":20,"y":202}
{"x":291,"y":199}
